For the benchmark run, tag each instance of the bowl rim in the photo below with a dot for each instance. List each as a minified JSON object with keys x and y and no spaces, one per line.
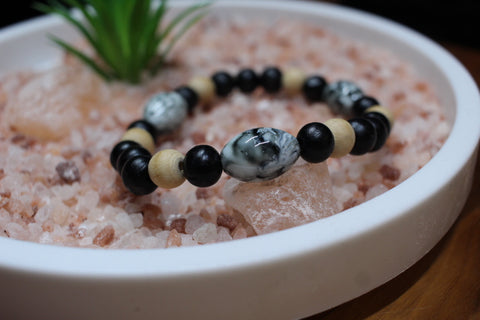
{"x":29,"y":257}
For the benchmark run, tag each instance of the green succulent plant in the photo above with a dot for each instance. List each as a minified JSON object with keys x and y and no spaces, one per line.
{"x":128,"y":36}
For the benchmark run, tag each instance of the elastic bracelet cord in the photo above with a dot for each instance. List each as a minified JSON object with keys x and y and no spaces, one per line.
{"x":257,"y":154}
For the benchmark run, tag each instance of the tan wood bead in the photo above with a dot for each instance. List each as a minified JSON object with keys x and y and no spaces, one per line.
{"x":343,"y":135}
{"x":140,"y":136}
{"x":203,"y":87}
{"x":164,"y":169}
{"x":382,"y":110}
{"x":292,"y":81}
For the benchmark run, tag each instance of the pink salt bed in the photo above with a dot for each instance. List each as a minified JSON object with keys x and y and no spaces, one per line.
{"x":303,"y":194}
{"x":57,"y":128}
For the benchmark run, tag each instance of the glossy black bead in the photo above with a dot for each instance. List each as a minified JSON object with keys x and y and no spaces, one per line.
{"x":381,"y":131}
{"x":224,"y":83}
{"x":202,"y":166}
{"x":118,"y":149}
{"x":379,"y":116}
{"x":271,"y":79}
{"x":129,"y":153}
{"x":362,"y":104}
{"x":316,"y":142}
{"x":135,"y":176}
{"x":247,"y":80}
{"x":313,"y":88}
{"x":190,"y":96}
{"x":142,"y":124}
{"x":365,"y":135}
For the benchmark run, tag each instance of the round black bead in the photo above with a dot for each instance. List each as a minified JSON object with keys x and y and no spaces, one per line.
{"x":190,"y":96}
{"x":142,"y":124}
{"x":313,"y":88}
{"x":224,"y":83}
{"x":247,"y":80}
{"x":118,"y":149}
{"x":379,"y":116}
{"x":365,"y":135}
{"x":202,"y":166}
{"x":316,"y":142}
{"x":362,"y":104}
{"x":129,"y":153}
{"x":271,"y":79}
{"x":381,"y":131}
{"x":135,"y":176}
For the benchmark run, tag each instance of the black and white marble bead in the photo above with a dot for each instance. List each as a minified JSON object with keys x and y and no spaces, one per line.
{"x":341,"y":96}
{"x":260,"y":154}
{"x":165,"y":111}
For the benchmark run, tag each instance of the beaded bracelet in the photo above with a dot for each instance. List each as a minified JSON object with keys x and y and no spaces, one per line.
{"x":254,"y":155}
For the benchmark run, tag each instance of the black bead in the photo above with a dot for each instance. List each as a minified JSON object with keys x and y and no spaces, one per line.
{"x":365,"y":136}
{"x":190,"y":96}
{"x":135,"y":176}
{"x":202,"y":166}
{"x":224,"y":83}
{"x":381,"y":131}
{"x":379,"y":116}
{"x":142,"y":124}
{"x":118,"y":149}
{"x":316,"y":142}
{"x":129,"y":153}
{"x":271,"y":79}
{"x":247,"y":80}
{"x":313,"y":88}
{"x":362,"y":104}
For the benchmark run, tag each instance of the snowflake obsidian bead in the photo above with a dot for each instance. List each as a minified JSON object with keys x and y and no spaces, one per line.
{"x":165,"y":111}
{"x":260,"y":154}
{"x":341,"y":96}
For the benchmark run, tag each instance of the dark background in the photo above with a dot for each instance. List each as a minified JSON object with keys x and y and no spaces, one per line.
{"x":444,"y":21}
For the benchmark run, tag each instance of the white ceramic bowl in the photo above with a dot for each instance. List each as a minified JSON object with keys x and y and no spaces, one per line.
{"x":284,"y":275}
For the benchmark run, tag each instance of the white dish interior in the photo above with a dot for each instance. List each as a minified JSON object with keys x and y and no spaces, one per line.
{"x":283,"y":275}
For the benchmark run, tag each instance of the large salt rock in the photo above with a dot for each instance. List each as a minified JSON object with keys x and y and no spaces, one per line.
{"x":303,"y":194}
{"x":52,"y":103}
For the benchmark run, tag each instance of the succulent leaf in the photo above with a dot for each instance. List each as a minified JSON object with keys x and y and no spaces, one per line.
{"x":127,"y":35}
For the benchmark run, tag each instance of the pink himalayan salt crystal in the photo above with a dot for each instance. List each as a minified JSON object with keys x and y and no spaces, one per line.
{"x":174,"y":239}
{"x":239,"y":233}
{"x":303,"y":194}
{"x":16,"y":231}
{"x":207,"y":233}
{"x":187,"y":240}
{"x":178,"y":224}
{"x":223,"y":234}
{"x":375,"y":191}
{"x":105,"y":236}
{"x":193,"y":223}
{"x":52,"y":104}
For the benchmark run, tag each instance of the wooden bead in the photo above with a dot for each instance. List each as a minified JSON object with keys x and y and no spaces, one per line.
{"x":382,"y":110}
{"x":204,"y":88}
{"x":140,"y":136}
{"x":293,"y":80}
{"x":343,"y":135}
{"x":164,"y":169}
